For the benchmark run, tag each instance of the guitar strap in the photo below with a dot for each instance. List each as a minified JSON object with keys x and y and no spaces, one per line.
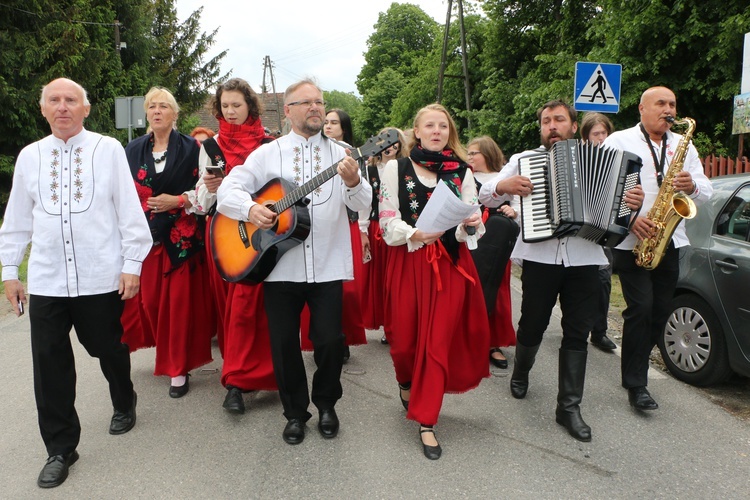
{"x":216,"y":156}
{"x":214,"y":152}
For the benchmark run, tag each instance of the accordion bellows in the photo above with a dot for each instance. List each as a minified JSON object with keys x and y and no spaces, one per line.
{"x":579,"y":191}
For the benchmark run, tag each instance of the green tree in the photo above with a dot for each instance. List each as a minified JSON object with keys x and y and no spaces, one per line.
{"x":691,"y":46}
{"x":376,"y":104}
{"x":47,"y":39}
{"x":403,"y":34}
{"x":528,"y":58}
{"x":178,"y":52}
{"x":349,"y":102}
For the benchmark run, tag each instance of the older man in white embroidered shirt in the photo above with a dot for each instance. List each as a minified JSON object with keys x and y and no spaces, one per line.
{"x":74,"y":200}
{"x":311,"y":273}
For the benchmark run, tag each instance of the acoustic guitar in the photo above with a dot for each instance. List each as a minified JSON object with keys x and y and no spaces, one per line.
{"x":244,"y":252}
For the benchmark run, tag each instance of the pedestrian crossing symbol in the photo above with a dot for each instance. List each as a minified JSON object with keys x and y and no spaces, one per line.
{"x":597,"y":87}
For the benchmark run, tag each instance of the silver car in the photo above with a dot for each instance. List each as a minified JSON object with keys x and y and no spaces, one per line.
{"x":707,"y":335}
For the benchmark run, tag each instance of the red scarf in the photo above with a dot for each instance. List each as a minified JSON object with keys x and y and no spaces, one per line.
{"x":238,"y":141}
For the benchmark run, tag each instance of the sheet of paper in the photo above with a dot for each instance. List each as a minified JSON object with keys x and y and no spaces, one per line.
{"x":444,"y":210}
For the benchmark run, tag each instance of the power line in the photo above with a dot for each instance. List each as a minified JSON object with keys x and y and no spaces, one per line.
{"x":58,"y":19}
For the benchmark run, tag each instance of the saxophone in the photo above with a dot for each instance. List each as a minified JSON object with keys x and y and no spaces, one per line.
{"x":670,"y":207}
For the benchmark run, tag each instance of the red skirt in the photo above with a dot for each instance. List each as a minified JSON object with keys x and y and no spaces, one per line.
{"x":247,"y":355}
{"x":173,"y":311}
{"x":502,"y":333}
{"x":439,"y":334}
{"x":351,"y":315}
{"x":219,"y":289}
{"x":373,"y":293}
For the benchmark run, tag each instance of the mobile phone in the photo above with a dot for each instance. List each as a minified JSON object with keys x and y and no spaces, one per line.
{"x":20,"y":308}
{"x":367,"y":256}
{"x":217,"y":171}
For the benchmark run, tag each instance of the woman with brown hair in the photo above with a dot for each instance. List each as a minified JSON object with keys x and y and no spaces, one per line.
{"x":242,"y":327}
{"x":373,"y":245}
{"x":492,"y":255}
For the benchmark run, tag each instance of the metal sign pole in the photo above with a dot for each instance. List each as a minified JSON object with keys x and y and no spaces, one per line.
{"x":130,"y":119}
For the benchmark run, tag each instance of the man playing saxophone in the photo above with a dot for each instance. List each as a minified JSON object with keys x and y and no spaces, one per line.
{"x":648,"y":287}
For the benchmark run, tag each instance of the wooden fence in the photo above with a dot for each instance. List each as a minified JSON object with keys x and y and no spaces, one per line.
{"x":715,"y":166}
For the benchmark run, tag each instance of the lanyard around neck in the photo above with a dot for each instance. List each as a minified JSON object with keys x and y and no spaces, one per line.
{"x":658,"y":163}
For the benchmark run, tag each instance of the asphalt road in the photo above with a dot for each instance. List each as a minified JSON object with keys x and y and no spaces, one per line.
{"x":493,"y":445}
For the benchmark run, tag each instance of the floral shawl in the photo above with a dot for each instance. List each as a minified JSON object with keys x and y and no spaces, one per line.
{"x":179,"y":232}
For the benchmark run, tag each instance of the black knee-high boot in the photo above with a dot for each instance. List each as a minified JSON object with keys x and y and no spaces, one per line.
{"x":522,"y":363}
{"x":572,"y":373}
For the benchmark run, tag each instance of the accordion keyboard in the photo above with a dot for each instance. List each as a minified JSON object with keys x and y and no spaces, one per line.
{"x":537,"y":221}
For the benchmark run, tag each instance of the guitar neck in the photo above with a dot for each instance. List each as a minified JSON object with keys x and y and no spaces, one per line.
{"x":300,"y":192}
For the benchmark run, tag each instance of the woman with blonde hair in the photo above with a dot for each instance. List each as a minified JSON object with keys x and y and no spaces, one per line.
{"x":173,"y":310}
{"x":438,"y":325}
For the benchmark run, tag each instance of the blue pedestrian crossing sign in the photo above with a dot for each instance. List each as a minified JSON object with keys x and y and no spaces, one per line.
{"x":597,"y":87}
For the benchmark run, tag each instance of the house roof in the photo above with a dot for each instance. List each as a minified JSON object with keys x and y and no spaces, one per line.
{"x":272,"y":118}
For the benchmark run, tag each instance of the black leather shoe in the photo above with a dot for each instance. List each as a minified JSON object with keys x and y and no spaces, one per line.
{"x":499,"y":363}
{"x":640,"y":399}
{"x":178,"y":392}
{"x":294,"y":432}
{"x":604,"y":343}
{"x":405,"y":387}
{"x":431,"y":452}
{"x":233,"y":402}
{"x":383,"y":340}
{"x":328,"y":423}
{"x":347,"y":353}
{"x":123,"y":421}
{"x":55,"y":471}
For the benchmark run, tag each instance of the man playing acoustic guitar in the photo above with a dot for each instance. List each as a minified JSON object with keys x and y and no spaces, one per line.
{"x":308,"y":273}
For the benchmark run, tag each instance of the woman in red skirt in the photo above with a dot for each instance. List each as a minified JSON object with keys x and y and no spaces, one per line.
{"x":492,"y":257}
{"x":439,"y":323}
{"x":373,"y":246}
{"x":173,"y":310}
{"x":243,"y":327}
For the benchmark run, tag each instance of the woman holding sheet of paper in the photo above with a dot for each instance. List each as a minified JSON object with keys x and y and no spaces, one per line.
{"x":439,"y":327}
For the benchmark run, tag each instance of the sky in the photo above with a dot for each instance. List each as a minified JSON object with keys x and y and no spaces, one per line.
{"x":325,"y":40}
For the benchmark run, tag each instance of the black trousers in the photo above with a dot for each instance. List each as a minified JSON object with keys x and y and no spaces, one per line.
{"x":599,"y":329}
{"x":96,"y":319}
{"x":578,"y":290}
{"x":647,"y":295}
{"x":284,"y":302}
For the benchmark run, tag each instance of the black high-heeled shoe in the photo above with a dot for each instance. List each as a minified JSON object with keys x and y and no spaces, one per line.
{"x":431,"y":452}
{"x":405,"y":387}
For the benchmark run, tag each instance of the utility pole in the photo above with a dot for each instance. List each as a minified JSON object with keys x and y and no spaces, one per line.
{"x":267,"y":66}
{"x":441,"y":75}
{"x":465,"y":63}
{"x":117,"y":36}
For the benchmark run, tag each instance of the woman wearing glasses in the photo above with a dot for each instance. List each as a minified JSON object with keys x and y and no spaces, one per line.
{"x":492,"y":256}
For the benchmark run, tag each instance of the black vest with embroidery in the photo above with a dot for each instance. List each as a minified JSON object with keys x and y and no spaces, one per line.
{"x":374,"y":177}
{"x":413,"y":196}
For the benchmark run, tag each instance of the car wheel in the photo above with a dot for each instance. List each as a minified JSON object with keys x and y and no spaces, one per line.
{"x":692,"y":344}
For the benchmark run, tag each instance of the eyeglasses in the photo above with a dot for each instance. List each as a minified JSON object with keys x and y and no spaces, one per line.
{"x":308,"y":104}
{"x":471,"y":154}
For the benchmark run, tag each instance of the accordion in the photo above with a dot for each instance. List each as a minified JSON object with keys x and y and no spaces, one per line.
{"x":579,"y":191}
